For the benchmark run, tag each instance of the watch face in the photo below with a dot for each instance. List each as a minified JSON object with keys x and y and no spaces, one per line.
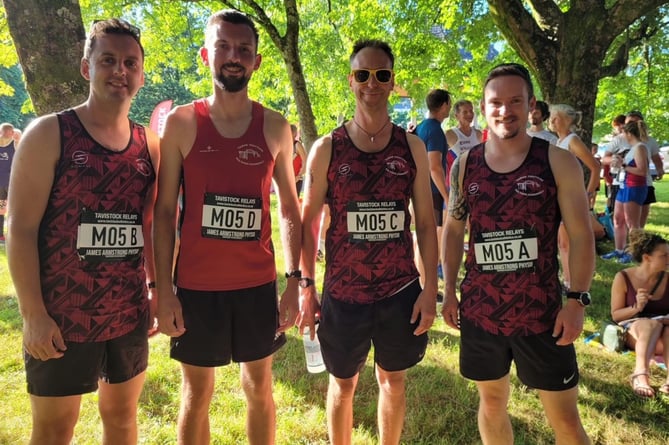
{"x":306,"y":282}
{"x":582,"y":297}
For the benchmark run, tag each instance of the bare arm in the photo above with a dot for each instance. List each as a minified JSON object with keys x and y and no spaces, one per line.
{"x":578,"y":148}
{"x":451,"y":138}
{"x":177,"y":138}
{"x":659,"y":166}
{"x":147,"y":230}
{"x":437,"y":172}
{"x":278,"y":134}
{"x":575,"y":215}
{"x":316,"y":187}
{"x":32,"y":176}
{"x":426,"y":233}
{"x":453,"y":243}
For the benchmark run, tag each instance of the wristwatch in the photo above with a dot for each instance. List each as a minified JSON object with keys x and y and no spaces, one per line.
{"x":306,"y":282}
{"x":294,"y":274}
{"x":583,"y":298}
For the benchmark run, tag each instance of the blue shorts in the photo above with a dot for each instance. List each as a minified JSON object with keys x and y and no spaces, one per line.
{"x":84,"y":364}
{"x":633,"y":194}
{"x":540,"y":363}
{"x":238,"y":325}
{"x":347,"y":332}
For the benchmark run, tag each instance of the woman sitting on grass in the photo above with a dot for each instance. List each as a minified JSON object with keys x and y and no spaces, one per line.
{"x":640,"y":303}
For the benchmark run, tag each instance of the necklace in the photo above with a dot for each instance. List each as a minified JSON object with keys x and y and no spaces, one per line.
{"x":371,"y":136}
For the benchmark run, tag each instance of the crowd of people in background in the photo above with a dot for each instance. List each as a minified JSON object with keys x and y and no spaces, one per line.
{"x":196,"y":260}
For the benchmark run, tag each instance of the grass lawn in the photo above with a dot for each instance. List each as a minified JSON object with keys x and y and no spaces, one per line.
{"x":441,"y":405}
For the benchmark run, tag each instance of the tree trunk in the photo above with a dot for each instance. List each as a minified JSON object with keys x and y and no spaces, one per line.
{"x":566,"y":50}
{"x":49,"y":39}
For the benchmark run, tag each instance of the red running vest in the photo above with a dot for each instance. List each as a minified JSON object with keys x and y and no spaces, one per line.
{"x":226,"y":235}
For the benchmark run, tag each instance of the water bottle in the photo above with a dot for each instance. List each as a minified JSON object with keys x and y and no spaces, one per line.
{"x":312,"y":352}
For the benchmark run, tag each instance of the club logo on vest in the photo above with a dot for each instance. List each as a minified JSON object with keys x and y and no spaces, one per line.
{"x":344,"y":170}
{"x":80,"y":158}
{"x":249,"y":154}
{"x":530,"y":186}
{"x":143,"y":167}
{"x":473,"y":188}
{"x":397,"y":166}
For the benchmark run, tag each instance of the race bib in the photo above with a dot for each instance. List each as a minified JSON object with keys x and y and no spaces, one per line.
{"x":231,"y":217}
{"x":622,"y":174}
{"x":372,"y":221}
{"x":506,"y":250}
{"x":109,"y":236}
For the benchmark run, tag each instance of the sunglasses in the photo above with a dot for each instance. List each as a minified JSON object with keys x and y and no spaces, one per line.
{"x":383,"y":75}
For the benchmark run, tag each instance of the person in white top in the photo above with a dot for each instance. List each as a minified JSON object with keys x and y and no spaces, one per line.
{"x":464,"y":136}
{"x":537,"y":117}
{"x":564,"y":120}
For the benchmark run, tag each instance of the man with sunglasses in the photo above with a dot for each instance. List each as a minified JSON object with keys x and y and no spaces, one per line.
{"x":79,"y":246}
{"x":367,"y":171}
{"x":225,"y":151}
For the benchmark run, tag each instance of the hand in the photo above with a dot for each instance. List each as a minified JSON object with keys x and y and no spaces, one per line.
{"x":569,"y":323}
{"x":450,"y":310}
{"x":42,"y":338}
{"x":310,"y":311}
{"x":642,"y":298}
{"x":170,"y":317}
{"x":616,"y":161}
{"x":426,"y":307}
{"x":288,"y":307}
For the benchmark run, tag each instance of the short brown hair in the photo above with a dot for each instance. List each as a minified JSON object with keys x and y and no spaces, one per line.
{"x":110,"y":26}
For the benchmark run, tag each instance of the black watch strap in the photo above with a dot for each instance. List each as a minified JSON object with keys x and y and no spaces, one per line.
{"x":306,"y":282}
{"x":294,"y":274}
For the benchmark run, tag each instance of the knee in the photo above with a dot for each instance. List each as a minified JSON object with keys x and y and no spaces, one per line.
{"x":493,"y":405}
{"x":648,"y":327}
{"x":119,"y":416}
{"x":197,"y":393}
{"x":343,"y":388}
{"x":258,"y":386}
{"x":391,"y":383}
{"x":55,"y":430}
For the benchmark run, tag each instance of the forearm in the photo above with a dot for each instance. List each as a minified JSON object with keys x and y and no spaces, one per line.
{"x":23,"y":259}
{"x":427,"y":248}
{"x":581,"y":260}
{"x":438,"y":176}
{"x":310,"y":235}
{"x":163,"y":248}
{"x":453,"y":250}
{"x":291,"y":235}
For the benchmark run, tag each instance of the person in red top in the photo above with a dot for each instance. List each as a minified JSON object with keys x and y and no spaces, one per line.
{"x":79,"y":246}
{"x":225,"y":151}
{"x":367,"y":171}
{"x":514,"y":190}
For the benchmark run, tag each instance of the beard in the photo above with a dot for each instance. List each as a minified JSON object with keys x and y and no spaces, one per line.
{"x":231,"y":83}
